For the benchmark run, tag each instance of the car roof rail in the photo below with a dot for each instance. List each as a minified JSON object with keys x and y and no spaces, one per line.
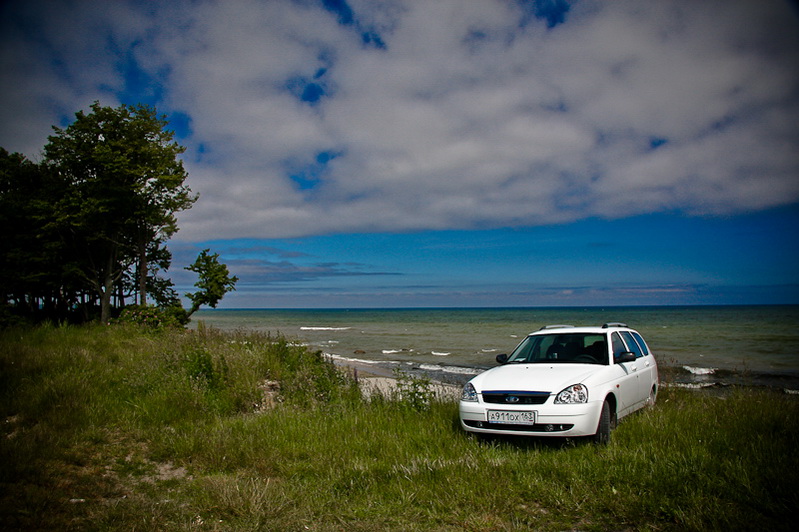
{"x":555,"y":327}
{"x":614,"y":324}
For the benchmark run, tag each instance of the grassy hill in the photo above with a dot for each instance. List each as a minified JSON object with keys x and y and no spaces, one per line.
{"x":121,"y":428}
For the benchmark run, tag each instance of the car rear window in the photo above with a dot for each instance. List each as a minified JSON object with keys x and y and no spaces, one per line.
{"x":632,"y":344}
{"x":641,"y":342}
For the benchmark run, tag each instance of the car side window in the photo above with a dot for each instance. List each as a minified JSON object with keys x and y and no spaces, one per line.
{"x":632,"y":345}
{"x":618,"y":346}
{"x":641,"y":342}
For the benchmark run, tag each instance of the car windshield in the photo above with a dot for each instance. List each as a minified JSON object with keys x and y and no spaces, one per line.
{"x":575,"y":348}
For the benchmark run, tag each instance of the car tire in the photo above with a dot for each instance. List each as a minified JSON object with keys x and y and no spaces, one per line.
{"x":653,"y":395}
{"x":602,"y":436}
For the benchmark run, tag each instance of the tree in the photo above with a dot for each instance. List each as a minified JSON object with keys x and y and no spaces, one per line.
{"x":214,"y":281}
{"x":123,"y":184}
{"x":35,"y":266}
{"x":20,"y":180}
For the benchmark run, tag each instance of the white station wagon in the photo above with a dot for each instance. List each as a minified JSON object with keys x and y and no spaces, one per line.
{"x":563,"y":381}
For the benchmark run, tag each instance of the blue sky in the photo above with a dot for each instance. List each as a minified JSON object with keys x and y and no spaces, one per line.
{"x":392,"y":153}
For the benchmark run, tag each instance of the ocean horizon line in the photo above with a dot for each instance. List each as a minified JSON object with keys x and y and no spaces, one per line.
{"x":530,"y":307}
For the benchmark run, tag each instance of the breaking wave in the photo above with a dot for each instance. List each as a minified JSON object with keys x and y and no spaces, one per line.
{"x":305,"y":328}
{"x":460,"y":370}
{"x":350,"y":360}
{"x":699,"y":371}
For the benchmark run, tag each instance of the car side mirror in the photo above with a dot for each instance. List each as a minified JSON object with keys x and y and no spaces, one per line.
{"x":502,"y":359}
{"x":627,"y":356}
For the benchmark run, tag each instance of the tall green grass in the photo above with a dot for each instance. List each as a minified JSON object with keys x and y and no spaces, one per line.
{"x":118,"y":428}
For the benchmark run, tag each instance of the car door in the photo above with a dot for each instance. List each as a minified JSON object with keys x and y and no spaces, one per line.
{"x":627,"y":384}
{"x":642,"y":370}
{"x":646,"y":367}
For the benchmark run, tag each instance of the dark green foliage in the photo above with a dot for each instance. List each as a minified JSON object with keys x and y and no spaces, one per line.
{"x":214,"y":281}
{"x":154,"y":317}
{"x":124,"y":184}
{"x":86,"y":228}
{"x":37,"y":270}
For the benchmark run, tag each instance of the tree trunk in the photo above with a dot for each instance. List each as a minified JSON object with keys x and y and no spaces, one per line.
{"x":105,"y":302}
{"x":106,"y":290}
{"x":142,"y":271}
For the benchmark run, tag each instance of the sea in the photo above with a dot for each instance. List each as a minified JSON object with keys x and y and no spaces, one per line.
{"x":695,"y":346}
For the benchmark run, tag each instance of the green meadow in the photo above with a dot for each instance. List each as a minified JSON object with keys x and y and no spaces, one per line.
{"x":122,"y":428}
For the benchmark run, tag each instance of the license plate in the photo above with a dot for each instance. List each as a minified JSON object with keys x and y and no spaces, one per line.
{"x":511,"y":417}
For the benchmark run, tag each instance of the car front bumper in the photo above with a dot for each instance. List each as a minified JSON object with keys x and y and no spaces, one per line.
{"x":550,"y":419}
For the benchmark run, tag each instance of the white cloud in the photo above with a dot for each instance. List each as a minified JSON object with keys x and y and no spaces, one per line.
{"x":465,"y":119}
{"x":56,"y":58}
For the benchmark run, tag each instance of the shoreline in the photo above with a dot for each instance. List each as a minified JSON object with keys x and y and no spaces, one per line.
{"x":695,"y":347}
{"x":376,"y":378}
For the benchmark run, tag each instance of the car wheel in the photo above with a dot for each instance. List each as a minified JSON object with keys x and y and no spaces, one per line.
{"x":602,"y":436}
{"x":653,"y":395}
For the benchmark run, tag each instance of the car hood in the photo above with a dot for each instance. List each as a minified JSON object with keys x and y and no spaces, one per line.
{"x":534,"y":377}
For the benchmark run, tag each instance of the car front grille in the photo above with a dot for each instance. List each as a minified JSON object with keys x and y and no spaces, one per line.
{"x":515,"y":398}
{"x":538,"y":427}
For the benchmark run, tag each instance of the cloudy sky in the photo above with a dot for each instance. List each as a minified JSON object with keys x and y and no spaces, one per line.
{"x":393,"y":153}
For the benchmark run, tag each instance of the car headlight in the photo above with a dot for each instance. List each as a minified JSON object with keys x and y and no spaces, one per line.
{"x":576,"y":393}
{"x":469,"y":393}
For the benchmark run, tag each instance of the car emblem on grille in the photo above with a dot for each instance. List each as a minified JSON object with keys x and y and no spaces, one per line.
{"x":511,"y":399}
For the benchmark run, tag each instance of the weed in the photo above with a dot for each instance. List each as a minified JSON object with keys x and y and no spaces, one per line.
{"x":413,"y":392}
{"x":202,"y":367}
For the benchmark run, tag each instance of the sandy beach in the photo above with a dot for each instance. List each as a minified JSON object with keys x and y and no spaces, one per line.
{"x":376,"y":380}
{"x":387,"y":386}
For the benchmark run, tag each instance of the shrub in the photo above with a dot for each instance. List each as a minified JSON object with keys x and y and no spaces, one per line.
{"x":202,"y":367}
{"x":413,"y":392}
{"x":154,"y":317}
